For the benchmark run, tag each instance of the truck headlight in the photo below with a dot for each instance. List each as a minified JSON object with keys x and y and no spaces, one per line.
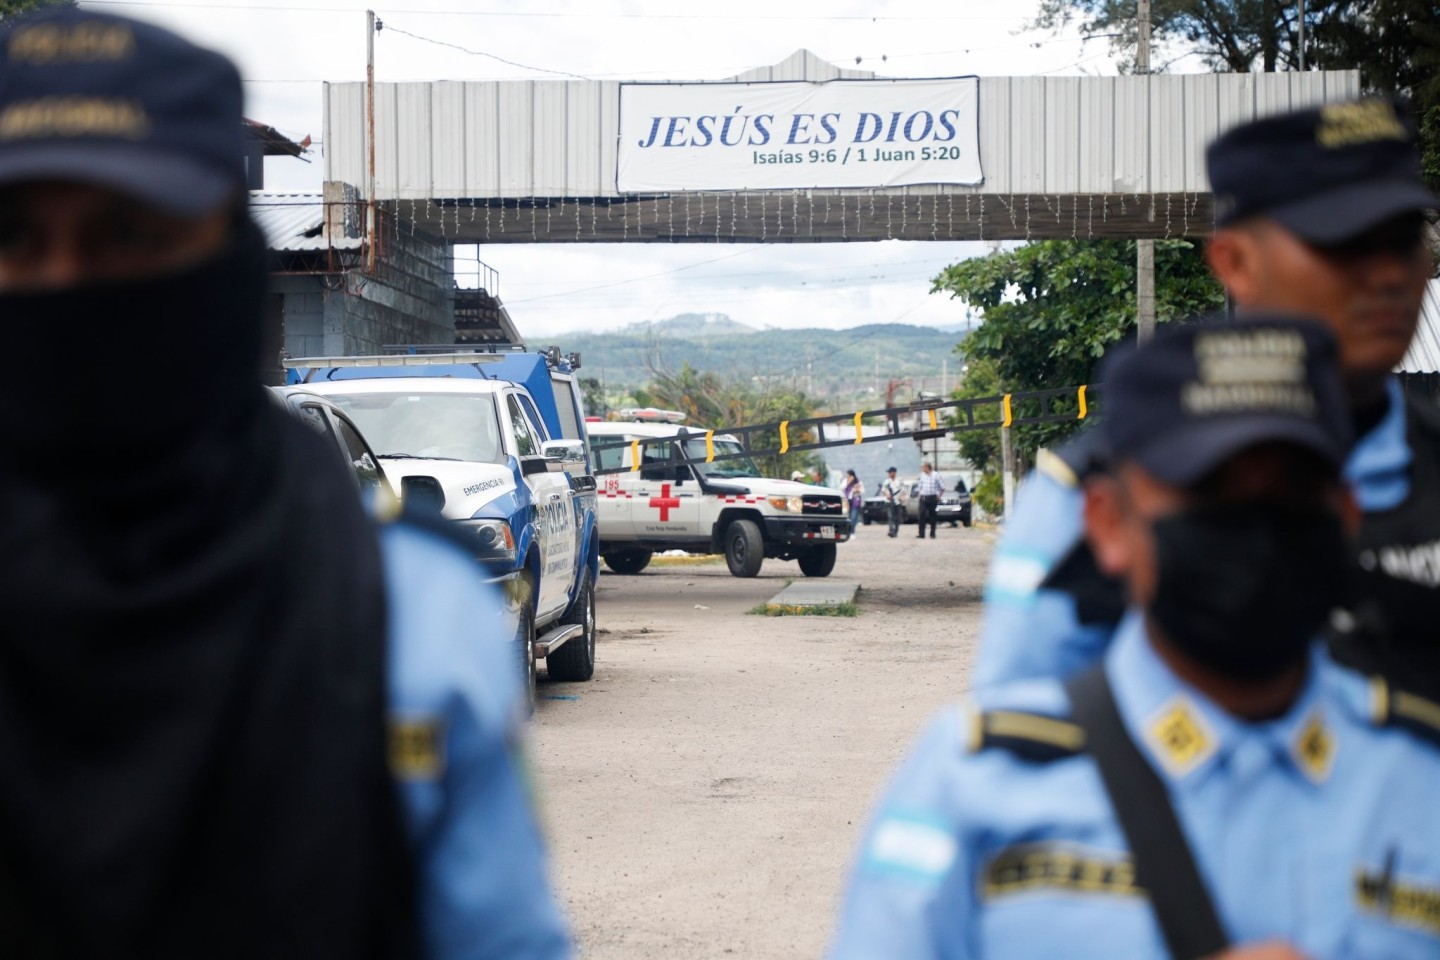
{"x":492,"y":539}
{"x":791,"y":504}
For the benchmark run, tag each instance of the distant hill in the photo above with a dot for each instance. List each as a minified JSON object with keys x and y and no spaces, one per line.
{"x":695,"y":326}
{"x":823,"y":362}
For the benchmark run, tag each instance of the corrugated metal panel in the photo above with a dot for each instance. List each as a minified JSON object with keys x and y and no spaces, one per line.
{"x":1062,"y":127}
{"x":481,"y":158}
{"x":1027,"y":134}
{"x":1424,"y":353}
{"x":415,"y":140}
{"x":1131,"y":163}
{"x":995,"y":135}
{"x":1097,"y":119}
{"x":1054,"y":135}
{"x":551,"y":158}
{"x":1202,"y":121}
{"x":1168,"y":126}
{"x":448,"y":142}
{"x":515,"y":131}
{"x":345,"y":133}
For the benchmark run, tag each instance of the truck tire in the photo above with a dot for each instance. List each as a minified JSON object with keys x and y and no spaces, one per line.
{"x":627,"y":561}
{"x":744,"y":548}
{"x":525,"y":645}
{"x":819,"y":561}
{"x":575,"y":662}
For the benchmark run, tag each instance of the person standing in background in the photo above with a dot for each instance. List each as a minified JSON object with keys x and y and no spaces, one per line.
{"x":893,"y":492}
{"x":928,"y":490}
{"x":854,"y":492}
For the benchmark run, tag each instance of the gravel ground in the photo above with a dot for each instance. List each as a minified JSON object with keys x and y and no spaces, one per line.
{"x":704,"y":793}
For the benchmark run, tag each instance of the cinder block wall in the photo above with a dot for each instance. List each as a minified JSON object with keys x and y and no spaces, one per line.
{"x":409,"y":299}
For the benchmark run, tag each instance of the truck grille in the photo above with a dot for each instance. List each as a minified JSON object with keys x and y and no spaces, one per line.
{"x":826,"y":506}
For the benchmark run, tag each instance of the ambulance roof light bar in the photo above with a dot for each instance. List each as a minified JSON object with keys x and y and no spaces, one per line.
{"x":652,"y":415}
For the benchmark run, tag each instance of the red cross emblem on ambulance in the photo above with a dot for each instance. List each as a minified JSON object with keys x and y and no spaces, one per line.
{"x":665,"y":503}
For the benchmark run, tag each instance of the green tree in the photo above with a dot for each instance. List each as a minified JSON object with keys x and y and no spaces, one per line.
{"x":708,"y":401}
{"x":17,"y":8}
{"x":1394,"y":43}
{"x":1051,"y":309}
{"x":1396,"y":46}
{"x":593,"y":393}
{"x":1237,"y":35}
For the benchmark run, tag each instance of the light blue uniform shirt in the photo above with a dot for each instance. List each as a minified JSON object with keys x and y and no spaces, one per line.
{"x":1032,"y":631}
{"x":1292,"y":822}
{"x":481,"y":883}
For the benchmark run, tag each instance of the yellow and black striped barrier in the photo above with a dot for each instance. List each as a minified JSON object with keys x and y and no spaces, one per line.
{"x":809,"y":434}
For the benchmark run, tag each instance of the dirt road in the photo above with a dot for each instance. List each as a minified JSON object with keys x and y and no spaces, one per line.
{"x":704,"y":793}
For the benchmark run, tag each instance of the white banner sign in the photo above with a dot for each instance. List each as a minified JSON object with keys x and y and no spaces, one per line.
{"x":769,"y":136}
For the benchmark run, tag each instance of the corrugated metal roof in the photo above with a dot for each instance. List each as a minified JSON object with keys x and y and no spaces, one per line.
{"x":295,"y":222}
{"x":1424,"y":353}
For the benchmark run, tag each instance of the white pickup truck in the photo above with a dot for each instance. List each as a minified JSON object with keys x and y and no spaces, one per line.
{"x":725,"y":506}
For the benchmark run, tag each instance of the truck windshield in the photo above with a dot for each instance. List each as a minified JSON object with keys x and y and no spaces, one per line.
{"x":721,"y":469}
{"x":428,"y":426}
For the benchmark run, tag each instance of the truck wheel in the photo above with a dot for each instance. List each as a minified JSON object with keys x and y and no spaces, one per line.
{"x":744,"y":548}
{"x":866,"y":520}
{"x":819,"y":561}
{"x":575,"y":662}
{"x":627,"y":561}
{"x":525,"y":645}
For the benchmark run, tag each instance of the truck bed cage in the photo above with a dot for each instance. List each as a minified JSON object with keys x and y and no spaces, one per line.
{"x":944,"y":416}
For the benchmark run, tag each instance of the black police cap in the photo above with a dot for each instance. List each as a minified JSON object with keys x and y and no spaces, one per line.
{"x":104,"y":100}
{"x":1198,"y":394}
{"x":1326,"y":173}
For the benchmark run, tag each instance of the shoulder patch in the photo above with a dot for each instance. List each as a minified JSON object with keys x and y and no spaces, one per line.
{"x":1030,"y":736}
{"x":417,"y":747}
{"x":1396,"y":708}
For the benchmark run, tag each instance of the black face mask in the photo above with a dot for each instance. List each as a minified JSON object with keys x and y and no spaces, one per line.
{"x":1243,"y":588}
{"x":119,"y":374}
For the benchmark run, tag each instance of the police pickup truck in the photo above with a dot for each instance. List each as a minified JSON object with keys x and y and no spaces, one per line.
{"x":495,"y":441}
{"x":724,"y":506}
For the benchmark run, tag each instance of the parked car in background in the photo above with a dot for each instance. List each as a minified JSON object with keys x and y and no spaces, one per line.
{"x":953,"y":508}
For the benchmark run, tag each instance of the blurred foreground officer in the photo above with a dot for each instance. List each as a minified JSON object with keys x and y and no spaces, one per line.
{"x":1318,"y":213}
{"x":234,"y":721}
{"x":1217,"y":783}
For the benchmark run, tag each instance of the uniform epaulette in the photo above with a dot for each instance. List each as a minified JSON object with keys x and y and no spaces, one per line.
{"x":1030,"y":736}
{"x":1396,"y":708}
{"x":1050,"y":464}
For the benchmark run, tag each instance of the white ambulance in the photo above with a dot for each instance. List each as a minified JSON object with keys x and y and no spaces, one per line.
{"x":725,"y":506}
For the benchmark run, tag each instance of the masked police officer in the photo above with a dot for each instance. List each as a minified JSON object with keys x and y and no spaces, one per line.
{"x":235,"y":721}
{"x":1318,"y":212}
{"x":1218,"y":786}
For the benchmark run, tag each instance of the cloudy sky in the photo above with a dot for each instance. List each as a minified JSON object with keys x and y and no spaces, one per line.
{"x":286,"y":49}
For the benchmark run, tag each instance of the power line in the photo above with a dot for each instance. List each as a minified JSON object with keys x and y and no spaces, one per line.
{"x":482,"y":53}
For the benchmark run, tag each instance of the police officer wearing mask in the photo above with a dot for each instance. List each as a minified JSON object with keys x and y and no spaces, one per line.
{"x":1218,"y":786}
{"x":1319,"y":212}
{"x":236,"y":720}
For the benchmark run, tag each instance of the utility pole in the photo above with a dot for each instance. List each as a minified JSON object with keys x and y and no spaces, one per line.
{"x":1144,"y":249}
{"x":371,"y":26}
{"x":1302,"y":36}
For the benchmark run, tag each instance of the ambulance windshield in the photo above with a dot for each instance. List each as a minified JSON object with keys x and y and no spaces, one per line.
{"x":741,"y":466}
